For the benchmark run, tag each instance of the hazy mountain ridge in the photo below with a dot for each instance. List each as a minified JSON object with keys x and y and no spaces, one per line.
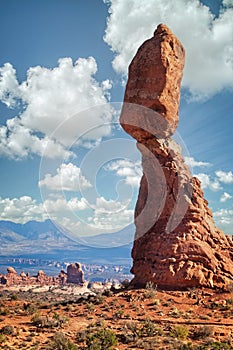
{"x":45,"y":237}
{"x":32,"y":230}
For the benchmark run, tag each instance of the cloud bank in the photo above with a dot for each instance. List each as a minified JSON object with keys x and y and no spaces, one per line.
{"x":208,"y":41}
{"x":50,"y":97}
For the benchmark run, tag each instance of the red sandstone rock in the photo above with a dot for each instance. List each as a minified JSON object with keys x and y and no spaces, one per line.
{"x":154,"y":82}
{"x":177,"y":244}
{"x":75,"y":274}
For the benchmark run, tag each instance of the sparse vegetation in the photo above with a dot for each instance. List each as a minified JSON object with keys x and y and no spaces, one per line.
{"x":148,"y":328}
{"x":48,"y":322}
{"x":43,"y":322}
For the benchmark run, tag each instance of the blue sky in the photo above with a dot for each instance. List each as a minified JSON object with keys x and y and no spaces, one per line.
{"x":63,"y":68}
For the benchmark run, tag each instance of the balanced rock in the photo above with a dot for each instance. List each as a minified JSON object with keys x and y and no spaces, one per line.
{"x":177,"y":245}
{"x":154,"y":82}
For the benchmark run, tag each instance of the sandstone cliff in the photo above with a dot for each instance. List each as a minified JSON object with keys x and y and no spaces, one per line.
{"x":177,"y":244}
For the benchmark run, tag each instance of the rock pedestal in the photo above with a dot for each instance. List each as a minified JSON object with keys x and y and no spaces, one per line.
{"x":177,"y":245}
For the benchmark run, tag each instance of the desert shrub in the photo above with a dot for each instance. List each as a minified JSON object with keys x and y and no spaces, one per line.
{"x":29,"y":308}
{"x":14,"y":296}
{"x":4,"y":311}
{"x":90,"y":307}
{"x":133,"y":327}
{"x":2,"y":338}
{"x":48,"y":322}
{"x":150,"y":285}
{"x":174,"y":313}
{"x":131,"y":332}
{"x":102,"y":339}
{"x":37,"y":319}
{"x":180,"y":332}
{"x":187,"y":346}
{"x":148,"y":344}
{"x":97,"y":299}
{"x":82,"y":335}
{"x":7,"y":330}
{"x":151,"y":290}
{"x":60,"y":342}
{"x":203,"y":332}
{"x":148,"y":329}
{"x":118,"y":314}
{"x":219,"y":346}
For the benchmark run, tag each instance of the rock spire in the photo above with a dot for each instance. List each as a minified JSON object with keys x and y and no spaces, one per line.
{"x":177,"y":245}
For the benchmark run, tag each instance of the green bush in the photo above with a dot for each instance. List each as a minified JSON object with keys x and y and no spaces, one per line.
{"x":180,"y":332}
{"x":102,"y":339}
{"x":148,"y":329}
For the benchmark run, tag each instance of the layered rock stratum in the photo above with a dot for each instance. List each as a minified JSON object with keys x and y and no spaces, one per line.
{"x":177,"y":245}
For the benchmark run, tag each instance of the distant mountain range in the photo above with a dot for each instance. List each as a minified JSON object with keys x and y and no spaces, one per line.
{"x":35,"y":238}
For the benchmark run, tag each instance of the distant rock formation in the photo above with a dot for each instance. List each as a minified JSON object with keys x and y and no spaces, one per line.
{"x":177,"y":245}
{"x":74,"y":275}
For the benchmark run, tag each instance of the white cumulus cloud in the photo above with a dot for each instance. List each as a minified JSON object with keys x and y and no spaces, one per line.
{"x":56,"y":207}
{"x":54,"y":103}
{"x":225,"y":197}
{"x":225,"y":177}
{"x":130,"y":171}
{"x":21,"y":210}
{"x":207,"y":40}
{"x":9,"y":86}
{"x":68,"y":178}
{"x":25,"y":208}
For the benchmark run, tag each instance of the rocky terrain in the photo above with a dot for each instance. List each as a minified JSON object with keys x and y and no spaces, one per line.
{"x":116,"y":319}
{"x":177,"y":245}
